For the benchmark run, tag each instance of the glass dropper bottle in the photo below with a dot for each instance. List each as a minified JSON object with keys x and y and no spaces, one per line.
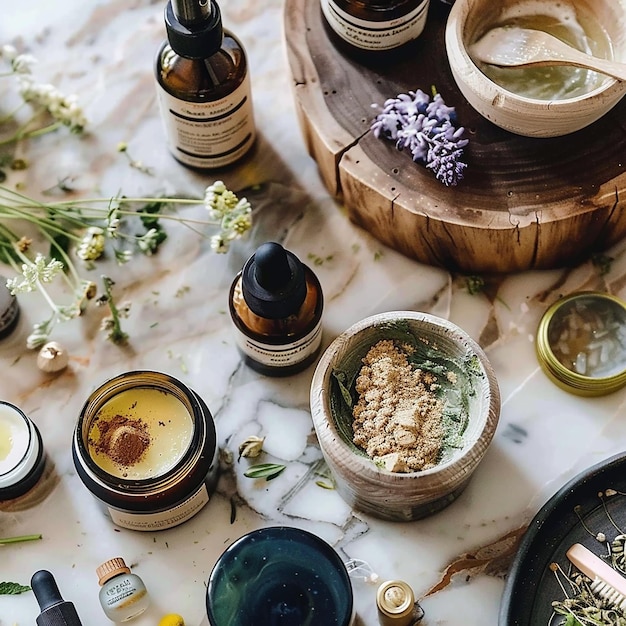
{"x":203,"y":87}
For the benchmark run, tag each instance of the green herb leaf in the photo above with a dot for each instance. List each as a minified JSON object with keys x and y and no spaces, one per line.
{"x":269,"y":471}
{"x":324,"y":485}
{"x":12,"y":589}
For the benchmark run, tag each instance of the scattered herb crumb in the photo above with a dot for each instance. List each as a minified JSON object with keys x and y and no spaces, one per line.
{"x":475,"y":284}
{"x":318,"y":260}
{"x":324,"y":485}
{"x":603,"y":263}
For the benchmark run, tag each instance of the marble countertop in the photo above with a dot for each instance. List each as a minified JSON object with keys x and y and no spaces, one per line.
{"x":104,"y":52}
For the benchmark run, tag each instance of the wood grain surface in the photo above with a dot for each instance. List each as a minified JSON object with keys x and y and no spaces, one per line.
{"x":524,"y":202}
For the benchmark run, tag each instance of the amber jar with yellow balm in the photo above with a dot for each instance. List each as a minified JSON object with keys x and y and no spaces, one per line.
{"x":375,"y":25}
{"x":581,"y":343}
{"x":145,"y":445}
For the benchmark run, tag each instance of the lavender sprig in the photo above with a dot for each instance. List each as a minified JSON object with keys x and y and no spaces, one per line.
{"x":426,"y":128}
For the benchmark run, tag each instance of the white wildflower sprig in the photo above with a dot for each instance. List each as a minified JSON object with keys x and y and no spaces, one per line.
{"x":64,"y":110}
{"x":427,"y":129}
{"x":94,"y":229}
{"x":233,"y":215}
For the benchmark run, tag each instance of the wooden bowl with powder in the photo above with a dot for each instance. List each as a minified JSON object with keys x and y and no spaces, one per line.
{"x":404,"y":405}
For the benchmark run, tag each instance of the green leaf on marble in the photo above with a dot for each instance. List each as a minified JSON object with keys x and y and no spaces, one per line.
{"x":269,"y":471}
{"x":12,"y":589}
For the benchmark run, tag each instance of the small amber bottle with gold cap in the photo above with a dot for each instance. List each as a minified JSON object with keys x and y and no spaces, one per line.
{"x":396,"y":604}
{"x":122,"y":595}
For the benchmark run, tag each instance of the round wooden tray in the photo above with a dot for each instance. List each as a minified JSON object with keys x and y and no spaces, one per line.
{"x":524,"y":203}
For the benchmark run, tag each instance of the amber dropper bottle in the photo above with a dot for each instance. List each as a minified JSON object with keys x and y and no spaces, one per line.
{"x":276,"y":305}
{"x":203,"y":87}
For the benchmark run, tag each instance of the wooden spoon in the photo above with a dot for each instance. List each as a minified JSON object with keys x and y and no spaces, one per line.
{"x":512,"y":46}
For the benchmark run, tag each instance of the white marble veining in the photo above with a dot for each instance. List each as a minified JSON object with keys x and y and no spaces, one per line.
{"x":104,"y":51}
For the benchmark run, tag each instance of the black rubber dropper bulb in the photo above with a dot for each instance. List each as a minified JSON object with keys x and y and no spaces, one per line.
{"x":54,"y":610}
{"x":272,"y":270}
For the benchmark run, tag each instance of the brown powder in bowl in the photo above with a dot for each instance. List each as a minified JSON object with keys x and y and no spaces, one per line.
{"x":122,"y":439}
{"x":398,"y":416}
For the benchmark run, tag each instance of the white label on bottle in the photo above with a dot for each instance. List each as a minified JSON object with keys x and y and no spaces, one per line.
{"x":282,"y":355}
{"x":369,"y":35}
{"x":209,"y":134}
{"x":164,"y":519}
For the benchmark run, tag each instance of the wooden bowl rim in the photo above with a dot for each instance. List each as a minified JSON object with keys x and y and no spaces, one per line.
{"x":509,"y":101}
{"x":465,"y":461}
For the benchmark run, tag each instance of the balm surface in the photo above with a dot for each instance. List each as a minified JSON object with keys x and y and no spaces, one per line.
{"x":14,"y":438}
{"x":140,"y":433}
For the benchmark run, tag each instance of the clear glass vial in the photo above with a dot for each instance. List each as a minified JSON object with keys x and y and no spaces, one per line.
{"x":203,"y":87}
{"x":581,"y":343}
{"x":276,"y":306}
{"x":376,"y":25}
{"x":145,"y":446}
{"x":22,"y":456}
{"x":122,"y":594}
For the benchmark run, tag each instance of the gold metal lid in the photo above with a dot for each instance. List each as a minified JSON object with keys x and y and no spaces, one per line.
{"x":396,"y":603}
{"x":581,"y":343}
{"x":111,"y":568}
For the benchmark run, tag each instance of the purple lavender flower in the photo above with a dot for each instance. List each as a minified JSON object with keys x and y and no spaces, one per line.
{"x":427,"y":129}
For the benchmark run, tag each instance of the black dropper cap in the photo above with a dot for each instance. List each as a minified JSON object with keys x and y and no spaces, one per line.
{"x":194,"y":27}
{"x":54,"y":610}
{"x":273,"y":282}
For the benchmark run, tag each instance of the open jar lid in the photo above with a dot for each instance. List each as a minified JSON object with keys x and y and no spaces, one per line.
{"x":581,"y":343}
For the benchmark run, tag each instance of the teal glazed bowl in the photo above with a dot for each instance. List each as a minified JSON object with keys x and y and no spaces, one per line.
{"x":279,"y":576}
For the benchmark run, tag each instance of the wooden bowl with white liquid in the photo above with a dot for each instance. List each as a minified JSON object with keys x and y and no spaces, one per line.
{"x":539,"y":102}
{"x":459,"y":402}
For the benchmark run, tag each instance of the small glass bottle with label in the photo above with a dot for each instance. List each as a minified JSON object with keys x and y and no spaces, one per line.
{"x":123,"y":595}
{"x":203,"y":87}
{"x":375,"y":26}
{"x":276,"y":305}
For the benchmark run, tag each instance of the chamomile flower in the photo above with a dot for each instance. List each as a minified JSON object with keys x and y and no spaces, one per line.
{"x":92,"y":244}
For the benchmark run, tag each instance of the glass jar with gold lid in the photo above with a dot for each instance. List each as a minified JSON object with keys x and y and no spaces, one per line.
{"x":581,"y":343}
